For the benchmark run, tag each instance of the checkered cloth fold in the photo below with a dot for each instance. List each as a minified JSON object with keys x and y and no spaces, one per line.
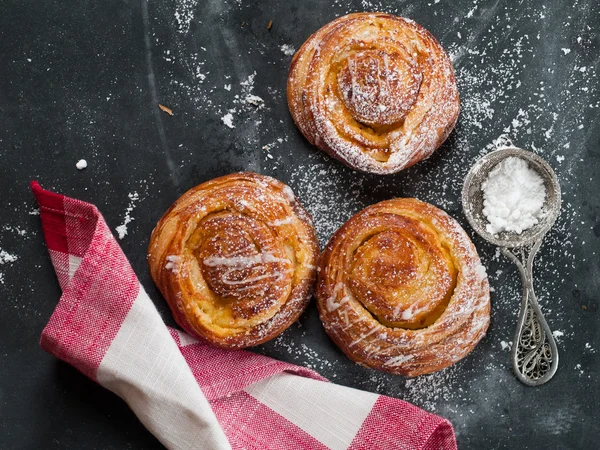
{"x":187,"y":393}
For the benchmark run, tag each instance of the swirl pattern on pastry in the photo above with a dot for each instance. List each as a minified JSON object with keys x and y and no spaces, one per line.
{"x":375,"y":91}
{"x":235,"y":258}
{"x":401,"y":289}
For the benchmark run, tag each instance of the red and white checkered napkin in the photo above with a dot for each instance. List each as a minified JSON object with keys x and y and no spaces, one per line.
{"x":187,"y":393}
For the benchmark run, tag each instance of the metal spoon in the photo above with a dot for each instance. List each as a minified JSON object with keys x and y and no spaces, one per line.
{"x":534,"y":354}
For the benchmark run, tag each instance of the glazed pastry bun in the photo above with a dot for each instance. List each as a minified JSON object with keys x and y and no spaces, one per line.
{"x":401,"y":289}
{"x":235,"y":258}
{"x":375,"y":91}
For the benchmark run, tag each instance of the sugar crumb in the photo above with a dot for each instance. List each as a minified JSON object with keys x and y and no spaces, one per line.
{"x":122,"y":229}
{"x":287,"y":49}
{"x":227,"y":119}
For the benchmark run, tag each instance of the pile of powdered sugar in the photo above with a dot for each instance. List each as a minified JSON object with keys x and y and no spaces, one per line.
{"x":513,"y":196}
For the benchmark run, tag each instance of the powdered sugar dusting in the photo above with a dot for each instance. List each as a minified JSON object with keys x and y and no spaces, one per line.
{"x":316,"y":184}
{"x":184,"y":14}
{"x":6,"y":259}
{"x":122,"y":229}
{"x":287,"y":49}
{"x":15,"y":229}
{"x":227,"y":119}
{"x":255,"y":100}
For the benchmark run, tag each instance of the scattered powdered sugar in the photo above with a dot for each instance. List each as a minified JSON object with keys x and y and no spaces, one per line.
{"x":505,"y":345}
{"x":480,"y":271}
{"x":428,"y":390}
{"x":296,"y":348}
{"x":241,"y":104}
{"x":227,"y":119}
{"x":184,"y":14}
{"x":287,"y":49}
{"x":6,"y":258}
{"x":15,"y":229}
{"x":316,"y":184}
{"x":557,"y":334}
{"x":254,"y":100}
{"x":588,"y":348}
{"x":513,"y":196}
{"x":122,"y":229}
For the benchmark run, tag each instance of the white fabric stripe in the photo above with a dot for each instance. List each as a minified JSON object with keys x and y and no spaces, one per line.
{"x":144,"y":366}
{"x":74,"y":263}
{"x":186,"y":339}
{"x":330,"y":413}
{"x":60,"y":261}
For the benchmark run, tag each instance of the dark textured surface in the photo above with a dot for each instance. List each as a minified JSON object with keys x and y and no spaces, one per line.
{"x":82,"y":80}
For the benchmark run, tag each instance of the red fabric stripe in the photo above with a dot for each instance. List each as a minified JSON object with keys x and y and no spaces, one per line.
{"x":442,"y":437}
{"x":94,"y":304}
{"x":80,"y":225}
{"x":222,"y":372}
{"x":250,"y":425}
{"x":53,"y":218}
{"x":396,"y":424}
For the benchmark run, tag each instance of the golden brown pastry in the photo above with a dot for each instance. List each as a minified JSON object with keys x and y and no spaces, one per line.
{"x":401,"y":289}
{"x":375,"y":91}
{"x":235,"y":258}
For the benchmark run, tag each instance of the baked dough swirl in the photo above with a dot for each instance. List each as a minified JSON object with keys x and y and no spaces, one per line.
{"x":373,"y":90}
{"x":401,"y":289}
{"x":235,"y":258}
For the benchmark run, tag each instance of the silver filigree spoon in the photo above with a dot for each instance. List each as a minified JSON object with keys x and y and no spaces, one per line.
{"x":534,"y":354}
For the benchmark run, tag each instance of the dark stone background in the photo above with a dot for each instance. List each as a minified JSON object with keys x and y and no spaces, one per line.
{"x":83,"y":79}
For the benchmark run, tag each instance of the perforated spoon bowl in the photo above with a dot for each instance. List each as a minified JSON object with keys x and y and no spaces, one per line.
{"x":534,"y":354}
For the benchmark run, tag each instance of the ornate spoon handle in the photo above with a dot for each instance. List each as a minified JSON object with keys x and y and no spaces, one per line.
{"x":534,"y":353}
